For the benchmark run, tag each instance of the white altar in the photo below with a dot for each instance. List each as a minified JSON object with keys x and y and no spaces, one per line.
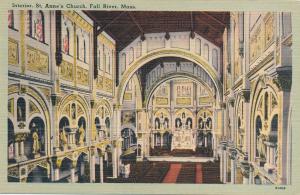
{"x":184,"y":139}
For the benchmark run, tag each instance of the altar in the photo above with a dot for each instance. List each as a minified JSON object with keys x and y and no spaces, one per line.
{"x":183,"y":139}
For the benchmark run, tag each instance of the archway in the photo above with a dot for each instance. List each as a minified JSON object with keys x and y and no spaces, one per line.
{"x":167,"y":53}
{"x":38,"y":175}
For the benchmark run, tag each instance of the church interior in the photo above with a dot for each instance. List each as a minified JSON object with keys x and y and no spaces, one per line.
{"x":149,"y":97}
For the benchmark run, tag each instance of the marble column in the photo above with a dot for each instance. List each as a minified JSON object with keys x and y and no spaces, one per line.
{"x":73,"y":175}
{"x":114,"y":163}
{"x":233,"y":170}
{"x":22,"y":148}
{"x":92,"y":167}
{"x":225,"y":166}
{"x":16,"y":150}
{"x":101,"y":168}
{"x":56,"y":174}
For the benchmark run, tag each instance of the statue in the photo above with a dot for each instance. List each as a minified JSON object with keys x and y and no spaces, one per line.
{"x":189,"y":124}
{"x":178,"y":123}
{"x":166,"y":124}
{"x":260,"y":142}
{"x":63,"y":138}
{"x":81,"y":135}
{"x":36,"y":143}
{"x":73,"y":110}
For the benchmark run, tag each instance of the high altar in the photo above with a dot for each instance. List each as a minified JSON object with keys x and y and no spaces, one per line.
{"x":184,"y":138}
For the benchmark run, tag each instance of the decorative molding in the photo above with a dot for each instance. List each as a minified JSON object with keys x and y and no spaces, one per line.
{"x":13,"y":52}
{"x":37,"y":60}
{"x":82,"y":76}
{"x":66,"y":71}
{"x":76,"y":18}
{"x":183,"y":101}
{"x":161,"y":101}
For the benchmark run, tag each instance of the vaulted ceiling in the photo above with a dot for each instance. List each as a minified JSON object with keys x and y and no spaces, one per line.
{"x":125,"y":26}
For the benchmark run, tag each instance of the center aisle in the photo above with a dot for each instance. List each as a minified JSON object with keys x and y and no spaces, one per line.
{"x":199,"y":175}
{"x":173,"y":173}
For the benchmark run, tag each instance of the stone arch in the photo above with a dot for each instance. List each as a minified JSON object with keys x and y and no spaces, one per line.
{"x":73,"y":106}
{"x":239,"y":126}
{"x":172,"y":76}
{"x":138,"y":63}
{"x":40,"y":103}
{"x":70,"y":99}
{"x":262,"y":85}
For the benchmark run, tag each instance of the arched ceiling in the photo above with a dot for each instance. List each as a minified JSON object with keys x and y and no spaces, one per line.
{"x":125,"y":26}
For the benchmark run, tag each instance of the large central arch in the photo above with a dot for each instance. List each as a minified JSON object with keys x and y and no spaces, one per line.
{"x":173,"y":76}
{"x":168,"y":53}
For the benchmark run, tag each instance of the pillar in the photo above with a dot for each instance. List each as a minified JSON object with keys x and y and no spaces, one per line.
{"x":16,"y":149}
{"x":92,"y":165}
{"x":101,"y":169}
{"x":56,"y":174}
{"x":73,"y":175}
{"x":233,"y":167}
{"x":224,"y":166}
{"x":114,"y":162}
{"x":22,"y":148}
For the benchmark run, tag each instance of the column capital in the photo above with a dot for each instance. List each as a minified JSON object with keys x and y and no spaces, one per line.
{"x":283,"y":78}
{"x":19,"y":137}
{"x":245,"y":93}
{"x":55,"y":99}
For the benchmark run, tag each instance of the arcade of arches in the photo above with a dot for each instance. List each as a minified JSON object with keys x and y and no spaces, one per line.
{"x":97,"y":96}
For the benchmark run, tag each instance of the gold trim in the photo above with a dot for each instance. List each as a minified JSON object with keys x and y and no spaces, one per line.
{"x":13,"y":52}
{"x":76,"y":18}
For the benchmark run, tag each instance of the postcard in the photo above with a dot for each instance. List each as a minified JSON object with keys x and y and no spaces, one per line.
{"x":133,"y":98}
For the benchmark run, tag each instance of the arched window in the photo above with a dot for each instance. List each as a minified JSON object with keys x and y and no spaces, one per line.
{"x":215,"y":58}
{"x":104,"y":59}
{"x":266,"y":106}
{"x":29,"y":23}
{"x":97,"y":123}
{"x":66,"y":40}
{"x":11,"y":19}
{"x":98,"y":59}
{"x":107,"y":123}
{"x":131,"y":55}
{"x":209,"y":123}
{"x":139,"y":49}
{"x":129,"y":138}
{"x":11,"y":138}
{"x":77,"y":46}
{"x":39,"y":26}
{"x":258,"y":128}
{"x":64,"y":123}
{"x":274,"y":123}
{"x":198,"y":46}
{"x":206,"y":52}
{"x":108,"y":58}
{"x":123,"y":62}
{"x":21,"y":109}
{"x":84,"y":51}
